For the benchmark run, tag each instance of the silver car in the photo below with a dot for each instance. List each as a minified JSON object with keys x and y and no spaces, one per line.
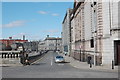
{"x":59,"y":59}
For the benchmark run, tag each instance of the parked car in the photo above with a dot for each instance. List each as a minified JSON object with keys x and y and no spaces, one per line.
{"x":59,"y":59}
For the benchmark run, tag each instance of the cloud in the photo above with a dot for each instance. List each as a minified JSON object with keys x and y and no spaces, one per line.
{"x":42,"y":12}
{"x":14,"y":24}
{"x":55,"y":14}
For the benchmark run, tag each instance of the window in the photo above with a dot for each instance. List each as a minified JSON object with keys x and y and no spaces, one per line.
{"x":92,"y":43}
{"x":95,"y":3}
{"x":51,"y":44}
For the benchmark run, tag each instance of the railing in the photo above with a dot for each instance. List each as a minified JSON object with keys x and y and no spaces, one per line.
{"x":9,"y":54}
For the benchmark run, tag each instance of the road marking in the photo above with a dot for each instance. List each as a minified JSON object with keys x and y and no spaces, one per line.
{"x":51,"y":61}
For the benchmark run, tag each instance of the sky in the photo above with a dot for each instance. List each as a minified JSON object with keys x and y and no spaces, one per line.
{"x":35,"y":20}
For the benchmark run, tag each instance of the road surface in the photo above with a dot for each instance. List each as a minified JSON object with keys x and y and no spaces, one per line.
{"x":46,"y":68}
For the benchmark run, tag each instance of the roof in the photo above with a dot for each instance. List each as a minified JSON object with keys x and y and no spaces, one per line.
{"x":53,"y":38}
{"x":13,"y":40}
{"x":76,"y":6}
{"x":70,"y":10}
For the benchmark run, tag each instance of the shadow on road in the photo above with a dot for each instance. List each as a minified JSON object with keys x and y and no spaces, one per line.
{"x":64,"y":62}
{"x":5,"y":66}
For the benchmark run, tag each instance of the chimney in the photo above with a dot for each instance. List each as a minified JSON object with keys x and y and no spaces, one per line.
{"x":10,"y":38}
{"x":47,"y":36}
{"x":23,"y":37}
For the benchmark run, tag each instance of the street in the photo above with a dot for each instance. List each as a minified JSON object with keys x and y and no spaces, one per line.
{"x":46,"y":68}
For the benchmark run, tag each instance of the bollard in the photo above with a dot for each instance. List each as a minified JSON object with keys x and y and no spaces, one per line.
{"x":11,"y":55}
{"x":5,"y":55}
{"x":2,"y":55}
{"x":16,"y":55}
{"x":8,"y":55}
{"x":112,"y":64}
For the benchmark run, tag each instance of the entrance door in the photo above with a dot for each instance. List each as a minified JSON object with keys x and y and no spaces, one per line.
{"x":118,"y":53}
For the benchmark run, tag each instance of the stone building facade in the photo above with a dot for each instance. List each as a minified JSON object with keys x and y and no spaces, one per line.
{"x":51,"y":44}
{"x":66,"y":33}
{"x":41,"y":46}
{"x":95,"y":31}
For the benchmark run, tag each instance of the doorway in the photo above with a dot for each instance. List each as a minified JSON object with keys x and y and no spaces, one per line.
{"x":117,"y":52}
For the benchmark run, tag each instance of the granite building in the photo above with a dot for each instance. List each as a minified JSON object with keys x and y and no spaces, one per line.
{"x":95,"y":31}
{"x":66,"y":33}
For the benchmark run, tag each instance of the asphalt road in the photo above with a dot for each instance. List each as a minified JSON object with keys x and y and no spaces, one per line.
{"x":46,"y":68}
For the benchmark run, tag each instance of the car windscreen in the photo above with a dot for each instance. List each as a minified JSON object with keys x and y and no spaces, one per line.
{"x":59,"y":57}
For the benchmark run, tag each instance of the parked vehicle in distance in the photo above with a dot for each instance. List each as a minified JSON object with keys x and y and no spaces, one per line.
{"x":59,"y":59}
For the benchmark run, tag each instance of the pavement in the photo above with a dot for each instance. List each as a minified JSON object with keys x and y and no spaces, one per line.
{"x":86,"y":66}
{"x":9,"y":64}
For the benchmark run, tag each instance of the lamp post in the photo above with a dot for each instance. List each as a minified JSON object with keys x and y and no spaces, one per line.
{"x":95,"y":56}
{"x":80,"y":52}
{"x":93,"y":8}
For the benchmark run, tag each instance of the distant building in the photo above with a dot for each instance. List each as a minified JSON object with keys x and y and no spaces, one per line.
{"x":31,"y":46}
{"x":51,"y":43}
{"x":42,"y":46}
{"x":8,"y":42}
{"x":66,"y":33}
{"x":77,"y":31}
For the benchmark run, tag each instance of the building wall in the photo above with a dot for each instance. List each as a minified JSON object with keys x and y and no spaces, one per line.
{"x":110,"y":31}
{"x":97,"y":21}
{"x":72,"y":37}
{"x":31,"y":46}
{"x":52,"y":43}
{"x":87,"y":21}
{"x":41,"y":45}
{"x":7,"y":43}
{"x":66,"y":34}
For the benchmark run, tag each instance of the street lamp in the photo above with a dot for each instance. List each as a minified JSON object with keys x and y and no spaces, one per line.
{"x":93,"y":8}
{"x":80,"y":51}
{"x":95,"y":56}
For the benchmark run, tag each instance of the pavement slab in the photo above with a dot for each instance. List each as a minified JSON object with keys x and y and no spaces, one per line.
{"x":85,"y":65}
